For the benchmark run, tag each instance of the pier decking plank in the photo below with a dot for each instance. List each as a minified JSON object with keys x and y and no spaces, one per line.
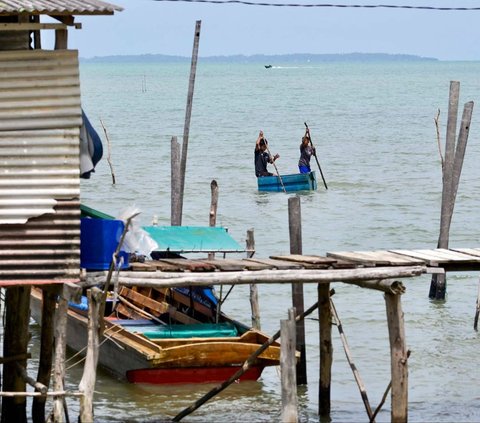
{"x":277,"y":264}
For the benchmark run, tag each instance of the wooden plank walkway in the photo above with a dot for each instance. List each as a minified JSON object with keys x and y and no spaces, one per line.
{"x":455,"y":259}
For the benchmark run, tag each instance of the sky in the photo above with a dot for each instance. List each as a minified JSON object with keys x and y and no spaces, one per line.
{"x":160,"y":27}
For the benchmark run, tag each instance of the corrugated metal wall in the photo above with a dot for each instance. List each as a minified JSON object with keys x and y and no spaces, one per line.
{"x":40,"y":116}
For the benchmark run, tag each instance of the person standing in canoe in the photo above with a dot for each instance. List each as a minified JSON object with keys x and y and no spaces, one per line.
{"x":306,"y":152}
{"x":262,"y":156}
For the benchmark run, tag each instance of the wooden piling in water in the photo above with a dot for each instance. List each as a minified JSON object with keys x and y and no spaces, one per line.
{"x":49,"y":304}
{"x":176,"y":195}
{"x":288,"y":368}
{"x":326,"y":349}
{"x":295,"y":231}
{"x":15,"y":343}
{"x":87,"y":384}
{"x":188,"y":112}
{"x":398,"y":357}
{"x":254,"y":304}
{"x":452,"y":168}
{"x":212,"y":221}
{"x":69,"y":293}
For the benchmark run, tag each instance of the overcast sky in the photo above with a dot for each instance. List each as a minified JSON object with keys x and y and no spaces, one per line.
{"x":157,"y":27}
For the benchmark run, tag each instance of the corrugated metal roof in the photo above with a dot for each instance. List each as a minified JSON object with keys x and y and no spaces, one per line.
{"x":58,"y":7}
{"x":40,"y":118}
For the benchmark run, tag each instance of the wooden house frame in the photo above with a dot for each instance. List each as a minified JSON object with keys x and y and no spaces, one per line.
{"x":40,"y":119}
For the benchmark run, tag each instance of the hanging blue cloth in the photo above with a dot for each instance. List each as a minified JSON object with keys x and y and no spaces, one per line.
{"x":91,"y":149}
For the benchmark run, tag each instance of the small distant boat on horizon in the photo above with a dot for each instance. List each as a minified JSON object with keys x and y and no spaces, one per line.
{"x":268,"y":66}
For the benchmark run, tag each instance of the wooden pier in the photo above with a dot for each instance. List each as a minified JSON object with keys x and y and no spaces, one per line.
{"x":378,"y":270}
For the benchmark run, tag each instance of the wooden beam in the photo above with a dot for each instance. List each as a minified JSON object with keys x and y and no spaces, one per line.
{"x":326,"y":349}
{"x":398,"y":357}
{"x":352,"y":276}
{"x":288,"y":369}
{"x":254,"y":304}
{"x":15,"y":342}
{"x":295,"y":231}
{"x":87,"y":384}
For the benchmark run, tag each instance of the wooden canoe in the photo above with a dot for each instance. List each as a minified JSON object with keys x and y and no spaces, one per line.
{"x":292,"y":183}
{"x":138,"y":350}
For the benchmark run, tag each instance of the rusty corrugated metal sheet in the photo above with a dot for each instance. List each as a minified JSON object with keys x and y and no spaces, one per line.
{"x":58,"y":7}
{"x":40,"y":116}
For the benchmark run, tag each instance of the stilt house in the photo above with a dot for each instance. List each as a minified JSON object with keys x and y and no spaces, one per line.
{"x":40,"y":119}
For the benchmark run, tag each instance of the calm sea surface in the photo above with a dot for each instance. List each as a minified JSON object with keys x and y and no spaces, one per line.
{"x":373,"y":126}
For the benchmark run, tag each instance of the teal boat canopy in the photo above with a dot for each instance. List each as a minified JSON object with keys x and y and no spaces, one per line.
{"x":193,"y":239}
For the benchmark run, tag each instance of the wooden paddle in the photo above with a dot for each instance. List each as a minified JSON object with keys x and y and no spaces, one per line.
{"x":315,"y":154}
{"x":275,"y":166}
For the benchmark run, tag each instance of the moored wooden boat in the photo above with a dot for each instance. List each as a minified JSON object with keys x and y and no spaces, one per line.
{"x":184,"y":349}
{"x":292,"y":183}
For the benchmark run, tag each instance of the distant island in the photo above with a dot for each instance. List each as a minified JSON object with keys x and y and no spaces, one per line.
{"x":264,"y":59}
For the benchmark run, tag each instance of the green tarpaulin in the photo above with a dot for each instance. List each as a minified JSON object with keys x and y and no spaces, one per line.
{"x":190,"y":239}
{"x":205,"y":330}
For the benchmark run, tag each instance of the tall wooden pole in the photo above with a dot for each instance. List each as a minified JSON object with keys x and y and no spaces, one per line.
{"x":287,"y":369}
{"x":49,"y":303}
{"x":326,"y":349}
{"x":254,"y":304}
{"x":213,"y":210}
{"x":454,"y":155}
{"x":15,"y":343}
{"x":176,"y":194}
{"x":188,"y":113}
{"x":295,"y":229}
{"x":87,"y":384}
{"x":438,"y":284}
{"x":398,"y":357}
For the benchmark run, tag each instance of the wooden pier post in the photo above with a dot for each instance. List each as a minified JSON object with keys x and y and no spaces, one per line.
{"x":451,"y":171}
{"x":399,"y":356}
{"x":326,"y":349}
{"x":49,"y":295}
{"x":254,"y":304}
{"x":70,"y":293}
{"x":176,"y":195}
{"x":15,"y":343}
{"x":295,"y":230}
{"x":213,"y":210}
{"x":288,"y":368}
{"x":87,"y":384}
{"x":188,"y":112}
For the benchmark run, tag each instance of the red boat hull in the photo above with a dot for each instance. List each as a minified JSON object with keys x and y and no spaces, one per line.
{"x":190,"y":375}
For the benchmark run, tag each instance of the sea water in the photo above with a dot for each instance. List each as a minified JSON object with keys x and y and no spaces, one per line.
{"x":374,"y":130}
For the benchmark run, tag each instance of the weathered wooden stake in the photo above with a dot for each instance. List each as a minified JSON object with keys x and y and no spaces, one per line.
{"x":399,"y":356}
{"x":454,"y":155}
{"x":176,"y":193}
{"x":295,"y":229}
{"x":438,"y":283}
{"x":288,"y":368}
{"x":188,"y":111}
{"x":477,"y":309}
{"x":213,"y":210}
{"x":49,"y":303}
{"x":254,"y":304}
{"x":87,"y":384}
{"x":70,"y":293}
{"x":326,"y":349}
{"x":15,"y":342}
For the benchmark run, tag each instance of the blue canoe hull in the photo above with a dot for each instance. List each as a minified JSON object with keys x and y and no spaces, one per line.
{"x":292,"y":183}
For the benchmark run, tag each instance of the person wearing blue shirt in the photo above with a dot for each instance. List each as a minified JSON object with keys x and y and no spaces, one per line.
{"x":306,"y":152}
